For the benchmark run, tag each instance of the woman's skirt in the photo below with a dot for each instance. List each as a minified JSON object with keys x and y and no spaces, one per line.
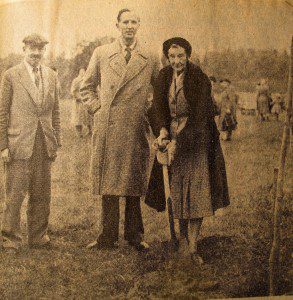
{"x":190,"y":181}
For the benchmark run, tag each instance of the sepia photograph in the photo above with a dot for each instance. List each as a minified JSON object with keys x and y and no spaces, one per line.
{"x":146,"y":149}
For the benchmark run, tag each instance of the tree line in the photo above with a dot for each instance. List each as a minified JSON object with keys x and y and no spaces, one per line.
{"x":244,"y":67}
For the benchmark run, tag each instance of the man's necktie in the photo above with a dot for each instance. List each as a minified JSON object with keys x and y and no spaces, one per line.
{"x":128,"y":54}
{"x":37,"y":76}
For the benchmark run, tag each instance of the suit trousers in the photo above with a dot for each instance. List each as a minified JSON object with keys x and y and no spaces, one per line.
{"x":133,"y":225}
{"x":32,"y":177}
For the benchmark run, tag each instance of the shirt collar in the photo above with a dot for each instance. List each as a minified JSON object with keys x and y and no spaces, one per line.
{"x":178,"y":77}
{"x":123,"y":46}
{"x":30,"y":67}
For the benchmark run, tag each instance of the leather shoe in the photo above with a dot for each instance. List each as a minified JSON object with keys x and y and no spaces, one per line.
{"x":141,"y":246}
{"x":97,"y":245}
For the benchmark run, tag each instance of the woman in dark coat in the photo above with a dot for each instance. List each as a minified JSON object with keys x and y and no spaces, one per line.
{"x":183,"y":112}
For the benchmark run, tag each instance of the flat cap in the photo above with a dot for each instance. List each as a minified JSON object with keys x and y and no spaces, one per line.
{"x":35,"y":39}
{"x":177,"y":41}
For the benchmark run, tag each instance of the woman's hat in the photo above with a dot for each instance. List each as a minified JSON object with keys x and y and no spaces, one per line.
{"x":177,"y":41}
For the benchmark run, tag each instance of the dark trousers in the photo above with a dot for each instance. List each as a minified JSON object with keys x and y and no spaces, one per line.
{"x":183,"y":228}
{"x":133,"y":226}
{"x":32,"y":177}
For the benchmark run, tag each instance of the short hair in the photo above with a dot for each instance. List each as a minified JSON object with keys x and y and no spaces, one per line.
{"x":122,"y":11}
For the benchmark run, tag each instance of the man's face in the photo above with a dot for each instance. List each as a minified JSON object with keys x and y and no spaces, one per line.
{"x":33,"y":54}
{"x":178,"y":58}
{"x":128,"y":25}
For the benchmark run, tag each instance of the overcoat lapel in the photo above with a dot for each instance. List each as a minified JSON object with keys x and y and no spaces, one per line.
{"x":136,"y":64}
{"x":27,"y":83}
{"x":116,"y":60}
{"x":128,"y":71}
{"x":118,"y":63}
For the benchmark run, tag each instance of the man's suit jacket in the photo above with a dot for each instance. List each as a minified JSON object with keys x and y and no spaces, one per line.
{"x":20,"y":112}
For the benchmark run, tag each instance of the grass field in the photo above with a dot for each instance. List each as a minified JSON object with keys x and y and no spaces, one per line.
{"x":235,"y":243}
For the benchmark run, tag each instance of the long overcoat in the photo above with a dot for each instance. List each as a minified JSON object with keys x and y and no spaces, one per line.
{"x":200,"y":134}
{"x":120,"y":147}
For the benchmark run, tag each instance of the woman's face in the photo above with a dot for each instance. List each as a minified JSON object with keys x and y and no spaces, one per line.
{"x":178,"y":58}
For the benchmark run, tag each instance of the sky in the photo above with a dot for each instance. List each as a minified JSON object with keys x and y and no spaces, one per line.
{"x":207,"y":24}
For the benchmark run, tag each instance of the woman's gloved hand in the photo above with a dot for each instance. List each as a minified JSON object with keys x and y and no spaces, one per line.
{"x":161,"y":141}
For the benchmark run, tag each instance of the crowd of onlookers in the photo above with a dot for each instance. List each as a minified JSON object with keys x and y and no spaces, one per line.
{"x":266,"y":104}
{"x":227,"y":101}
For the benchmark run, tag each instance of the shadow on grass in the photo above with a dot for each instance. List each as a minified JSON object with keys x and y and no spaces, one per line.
{"x":242,"y":272}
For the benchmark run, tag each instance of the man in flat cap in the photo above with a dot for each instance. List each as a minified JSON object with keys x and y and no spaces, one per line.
{"x":29,"y":138}
{"x":124,"y":71}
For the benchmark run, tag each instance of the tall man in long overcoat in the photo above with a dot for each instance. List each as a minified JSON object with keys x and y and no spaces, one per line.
{"x":29,"y":139}
{"x":124,"y":71}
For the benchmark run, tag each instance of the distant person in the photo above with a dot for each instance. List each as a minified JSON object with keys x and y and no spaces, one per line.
{"x":227,"y":109}
{"x":184,"y":114}
{"x":29,"y":139}
{"x":124,"y":71}
{"x":277,"y":106}
{"x":80,"y":114}
{"x":213,"y":83}
{"x":263,"y":99}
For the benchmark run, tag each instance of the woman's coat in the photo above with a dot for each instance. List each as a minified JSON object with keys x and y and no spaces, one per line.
{"x":197,"y":91}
